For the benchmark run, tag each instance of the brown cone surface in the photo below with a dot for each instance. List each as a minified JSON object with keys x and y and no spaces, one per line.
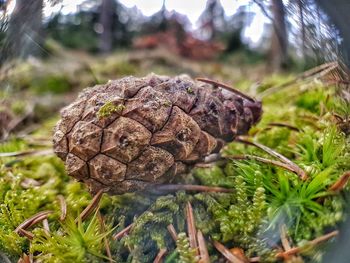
{"x":155,"y":129}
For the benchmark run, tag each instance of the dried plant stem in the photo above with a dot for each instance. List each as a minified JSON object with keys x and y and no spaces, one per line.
{"x":314,"y":242}
{"x":160,"y":256}
{"x":191,"y":187}
{"x":203,"y":250}
{"x":122,"y":233}
{"x":284,"y":238}
{"x":33,"y":220}
{"x":227,"y":253}
{"x":63,"y":206}
{"x":191,"y":227}
{"x":300,"y":172}
{"x":172,"y":231}
{"x":227,"y":87}
{"x":91,"y":207}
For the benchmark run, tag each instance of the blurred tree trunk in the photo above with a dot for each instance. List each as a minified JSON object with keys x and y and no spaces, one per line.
{"x":24,"y":35}
{"x":279,"y":41}
{"x":302,"y":27}
{"x":106,"y":21}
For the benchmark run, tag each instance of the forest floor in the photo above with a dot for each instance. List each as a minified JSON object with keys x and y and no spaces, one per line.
{"x":267,"y":208}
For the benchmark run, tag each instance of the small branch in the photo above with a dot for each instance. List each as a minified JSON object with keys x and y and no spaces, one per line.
{"x":122,"y":233}
{"x":160,"y":256}
{"x":203,"y":250}
{"x":227,"y":253}
{"x":33,"y":220}
{"x":300,"y":172}
{"x":227,"y":87}
{"x":63,"y":206}
{"x":316,"y":241}
{"x":340,"y":183}
{"x":172,"y":232}
{"x":91,"y":207}
{"x":191,"y":187}
{"x":191,"y":227}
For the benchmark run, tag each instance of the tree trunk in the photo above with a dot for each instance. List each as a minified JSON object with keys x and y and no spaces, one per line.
{"x":279,"y":41}
{"x":302,"y":27}
{"x":24,"y":36}
{"x":106,"y":22}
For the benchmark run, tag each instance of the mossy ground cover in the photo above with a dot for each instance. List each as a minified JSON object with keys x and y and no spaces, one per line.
{"x":268,"y":204}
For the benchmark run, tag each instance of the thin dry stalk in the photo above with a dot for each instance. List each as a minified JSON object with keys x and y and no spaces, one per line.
{"x":316,"y":241}
{"x":254,"y":259}
{"x":340,"y":183}
{"x":160,"y":255}
{"x":300,"y":172}
{"x":191,"y":227}
{"x":227,"y":253}
{"x":46,"y":227}
{"x":63,"y":206}
{"x":227,"y":87}
{"x":33,"y":220}
{"x":91,"y":207}
{"x":262,"y":160}
{"x":172,"y":232}
{"x":122,"y":233}
{"x":191,"y":187}
{"x":203,"y":250}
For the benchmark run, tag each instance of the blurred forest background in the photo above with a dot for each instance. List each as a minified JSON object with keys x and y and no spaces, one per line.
{"x":295,"y":33}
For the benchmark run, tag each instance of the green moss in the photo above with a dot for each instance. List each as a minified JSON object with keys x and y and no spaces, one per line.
{"x":109,"y":108}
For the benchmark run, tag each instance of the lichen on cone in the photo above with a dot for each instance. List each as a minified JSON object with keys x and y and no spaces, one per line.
{"x":131,"y":133}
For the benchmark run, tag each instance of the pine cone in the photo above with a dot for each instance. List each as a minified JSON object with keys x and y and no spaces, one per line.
{"x":132,"y":133}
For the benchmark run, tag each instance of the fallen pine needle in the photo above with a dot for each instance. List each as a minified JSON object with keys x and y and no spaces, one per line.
{"x":227,"y":253}
{"x":203,"y":250}
{"x":191,"y":227}
{"x":160,"y":256}
{"x":92,"y":206}
{"x":33,"y":220}
{"x":122,"y":233}
{"x":172,"y":231}
{"x":340,"y":183}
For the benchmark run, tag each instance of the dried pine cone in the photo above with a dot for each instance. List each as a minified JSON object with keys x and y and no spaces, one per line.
{"x":132,"y":133}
